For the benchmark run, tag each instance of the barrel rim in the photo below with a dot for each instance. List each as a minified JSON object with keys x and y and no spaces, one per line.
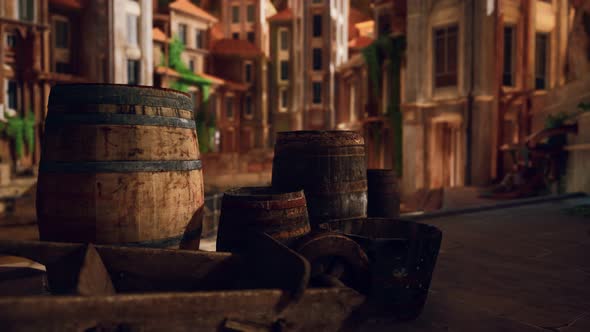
{"x":117,"y":94}
{"x":429,"y":231}
{"x":139,"y":86}
{"x":262,"y":193}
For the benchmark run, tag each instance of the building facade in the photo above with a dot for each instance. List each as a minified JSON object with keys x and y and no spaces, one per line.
{"x":240,"y":56}
{"x":130,"y":27}
{"x":476,"y":73}
{"x":302,"y":78}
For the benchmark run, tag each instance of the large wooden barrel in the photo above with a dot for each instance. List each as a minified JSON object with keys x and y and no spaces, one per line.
{"x":120,"y":165}
{"x":282,"y":215}
{"x":382,"y":193}
{"x":329,"y":166}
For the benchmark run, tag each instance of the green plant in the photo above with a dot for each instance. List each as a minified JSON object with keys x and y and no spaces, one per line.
{"x":391,"y":49}
{"x":188,"y":79}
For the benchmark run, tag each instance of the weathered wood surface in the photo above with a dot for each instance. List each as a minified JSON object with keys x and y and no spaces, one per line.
{"x":271,"y":279}
{"x":383,"y":195}
{"x":120,"y":164}
{"x":335,"y":256}
{"x":329,"y":166}
{"x":282,"y":215}
{"x":268,"y":264}
{"x":318,"y":310}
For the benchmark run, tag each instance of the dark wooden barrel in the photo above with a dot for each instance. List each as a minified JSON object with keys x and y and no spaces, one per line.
{"x":282,"y":215}
{"x":329,"y":166}
{"x":120,"y":165}
{"x":402,"y":256}
{"x":383,"y":197}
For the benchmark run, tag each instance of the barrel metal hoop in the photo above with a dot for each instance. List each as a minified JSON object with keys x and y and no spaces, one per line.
{"x":120,"y":166}
{"x":120,"y":109}
{"x":231,"y":202}
{"x":57,"y":120}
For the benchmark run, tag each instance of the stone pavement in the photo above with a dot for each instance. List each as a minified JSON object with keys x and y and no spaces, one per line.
{"x":524,"y":268}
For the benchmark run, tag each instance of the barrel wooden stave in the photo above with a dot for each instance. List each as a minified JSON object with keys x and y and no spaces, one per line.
{"x":260,"y":209}
{"x":120,"y":142}
{"x":329,"y":166}
{"x":120,"y":165}
{"x":382,"y":193}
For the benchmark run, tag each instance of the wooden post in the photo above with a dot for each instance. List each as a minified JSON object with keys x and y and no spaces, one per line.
{"x":499,"y":22}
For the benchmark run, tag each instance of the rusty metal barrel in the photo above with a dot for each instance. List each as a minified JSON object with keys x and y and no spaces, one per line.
{"x":383,"y":197}
{"x":120,"y":165}
{"x":329,"y":166}
{"x":282,"y":215}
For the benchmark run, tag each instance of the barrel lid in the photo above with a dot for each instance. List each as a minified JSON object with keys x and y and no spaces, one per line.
{"x":320,"y":137}
{"x":262,"y":194}
{"x":118,"y":94}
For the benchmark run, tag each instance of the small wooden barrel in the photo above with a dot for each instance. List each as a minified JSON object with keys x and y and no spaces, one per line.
{"x":382,"y":193}
{"x":120,"y":165}
{"x":329,"y":166}
{"x":282,"y":215}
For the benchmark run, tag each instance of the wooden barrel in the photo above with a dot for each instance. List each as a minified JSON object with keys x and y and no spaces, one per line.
{"x":329,"y":166}
{"x":282,"y":215}
{"x":120,"y":165}
{"x":382,"y":193}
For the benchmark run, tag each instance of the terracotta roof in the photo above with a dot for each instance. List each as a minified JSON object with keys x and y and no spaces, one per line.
{"x":237,"y":47}
{"x":161,"y":70}
{"x":236,"y":86}
{"x":283,"y":15}
{"x":214,"y":79}
{"x":355,"y":16}
{"x":75,"y":4}
{"x":216,"y":33}
{"x":360,"y":42}
{"x":188,"y":7}
{"x":159,"y":35}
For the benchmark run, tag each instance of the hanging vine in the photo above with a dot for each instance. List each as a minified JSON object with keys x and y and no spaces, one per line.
{"x":205,"y":125}
{"x":21,"y":131}
{"x":390,"y":49}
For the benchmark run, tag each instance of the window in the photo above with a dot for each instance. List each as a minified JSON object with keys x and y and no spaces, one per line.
{"x":12,"y":95}
{"x":509,"y":56}
{"x":317,"y":25}
{"x":199,"y":38}
{"x":235,"y":35}
{"x":248,"y":108}
{"x":26,"y":10}
{"x":250,"y":13}
{"x":317,"y":92}
{"x":251,"y":35}
{"x":284,"y":100}
{"x":62,"y":67}
{"x":229,"y":107}
{"x":132,"y":72}
{"x":10,"y":40}
{"x":445,"y":56}
{"x":132,"y":29}
{"x":284,"y":39}
{"x":248,"y":72}
{"x":62,"y":33}
{"x":284,"y":74}
{"x":182,"y":35}
{"x":235,"y":14}
{"x":317,"y":59}
{"x":191,"y":65}
{"x":541,"y":48}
